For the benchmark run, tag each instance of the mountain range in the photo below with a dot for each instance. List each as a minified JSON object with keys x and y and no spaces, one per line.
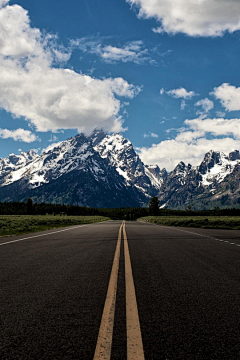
{"x":103,"y":170}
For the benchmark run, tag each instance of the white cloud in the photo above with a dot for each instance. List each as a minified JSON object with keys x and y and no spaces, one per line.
{"x":133,"y":51}
{"x":188,"y":136}
{"x":52,"y":98}
{"x":16,"y":36}
{"x":192,"y":17}
{"x":169,"y":153}
{"x":193,"y":141}
{"x":206,"y":105}
{"x":229,"y":96}
{"x":153,"y":135}
{"x":216,"y":127}
{"x":18,"y":135}
{"x":129,"y":53}
{"x":179,"y":93}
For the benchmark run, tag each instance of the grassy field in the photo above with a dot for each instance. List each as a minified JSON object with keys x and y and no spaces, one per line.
{"x":208,"y":222}
{"x":22,"y":224}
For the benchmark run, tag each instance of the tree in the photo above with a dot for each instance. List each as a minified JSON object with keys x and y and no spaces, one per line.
{"x":29,"y":206}
{"x":153,"y":206}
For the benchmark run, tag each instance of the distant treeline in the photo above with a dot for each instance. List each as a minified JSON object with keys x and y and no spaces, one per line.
{"x":29,"y":208}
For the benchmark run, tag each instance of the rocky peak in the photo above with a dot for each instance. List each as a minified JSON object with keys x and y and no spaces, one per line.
{"x":234,"y":155}
{"x":163,"y":173}
{"x":180,"y":168}
{"x":154,"y":169}
{"x":123,"y":157}
{"x":97,"y":136}
{"x":211,"y":158}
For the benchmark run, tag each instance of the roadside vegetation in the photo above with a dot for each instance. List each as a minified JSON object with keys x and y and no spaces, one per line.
{"x":22,"y":224}
{"x":208,"y":222}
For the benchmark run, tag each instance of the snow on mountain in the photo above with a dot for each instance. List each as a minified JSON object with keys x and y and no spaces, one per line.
{"x":204,"y":185}
{"x":13,"y":166}
{"x":121,"y":154}
{"x":156,"y":175}
{"x":74,"y":159}
{"x":108,"y":167}
{"x":51,"y":164}
{"x":72,"y":154}
{"x":216,"y":166}
{"x":14,"y":162}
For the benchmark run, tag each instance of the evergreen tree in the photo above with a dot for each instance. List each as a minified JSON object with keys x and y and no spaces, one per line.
{"x":29,"y":206}
{"x":153,"y":206}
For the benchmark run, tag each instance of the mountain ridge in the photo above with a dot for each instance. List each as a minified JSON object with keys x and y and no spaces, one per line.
{"x":104,"y":170}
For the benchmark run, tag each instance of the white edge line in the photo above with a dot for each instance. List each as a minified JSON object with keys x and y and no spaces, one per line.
{"x":54,"y":232}
{"x":191,"y":232}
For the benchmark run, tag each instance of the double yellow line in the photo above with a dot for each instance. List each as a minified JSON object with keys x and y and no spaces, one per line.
{"x":134,"y":337}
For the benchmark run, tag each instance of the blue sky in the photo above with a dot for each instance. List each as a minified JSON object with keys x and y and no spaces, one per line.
{"x":164,"y":73}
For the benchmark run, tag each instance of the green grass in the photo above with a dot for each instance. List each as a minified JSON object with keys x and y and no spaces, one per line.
{"x":208,"y":222}
{"x":22,"y":224}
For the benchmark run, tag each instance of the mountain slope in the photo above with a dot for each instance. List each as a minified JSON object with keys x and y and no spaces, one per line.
{"x":121,"y":154}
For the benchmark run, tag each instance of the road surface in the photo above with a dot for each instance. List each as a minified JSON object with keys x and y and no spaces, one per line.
{"x":63,"y":293}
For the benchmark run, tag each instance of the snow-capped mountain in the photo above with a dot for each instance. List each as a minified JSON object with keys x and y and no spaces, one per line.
{"x":99,"y":170}
{"x":105,"y":171}
{"x":216,"y":166}
{"x":121,"y":155}
{"x":15,"y":162}
{"x":215,"y":182}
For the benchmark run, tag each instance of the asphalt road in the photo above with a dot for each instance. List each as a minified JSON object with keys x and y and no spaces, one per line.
{"x":53,"y":290}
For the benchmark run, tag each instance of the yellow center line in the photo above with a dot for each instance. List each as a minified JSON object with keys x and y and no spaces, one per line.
{"x":134,"y":337}
{"x":104,"y":342}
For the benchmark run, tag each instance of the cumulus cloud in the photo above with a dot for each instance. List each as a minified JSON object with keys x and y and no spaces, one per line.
{"x":206,"y":105}
{"x":49,"y":97}
{"x":192,"y":17}
{"x":229,"y":96}
{"x":179,"y":93}
{"x":193,"y":141}
{"x":133,"y":51}
{"x":18,"y":135}
{"x":216,"y":127}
